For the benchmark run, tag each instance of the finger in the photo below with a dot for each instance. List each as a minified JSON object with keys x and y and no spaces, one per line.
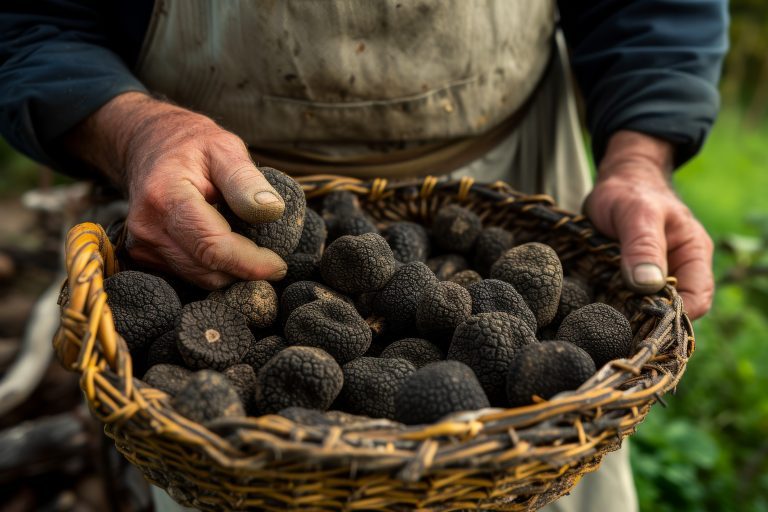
{"x":204,"y":234}
{"x":171,"y":259}
{"x":690,"y":261}
{"x":245,"y":189}
{"x":642,"y":236}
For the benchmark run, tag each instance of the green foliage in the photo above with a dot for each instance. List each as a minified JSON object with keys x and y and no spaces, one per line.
{"x":709,"y":449}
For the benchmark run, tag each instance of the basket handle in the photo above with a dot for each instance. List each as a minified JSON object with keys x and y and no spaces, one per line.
{"x":87,"y":331}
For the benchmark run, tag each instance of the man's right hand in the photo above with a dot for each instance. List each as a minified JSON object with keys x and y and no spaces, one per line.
{"x":174,"y":165}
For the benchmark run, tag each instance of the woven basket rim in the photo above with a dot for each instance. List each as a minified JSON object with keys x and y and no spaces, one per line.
{"x":595,"y":414}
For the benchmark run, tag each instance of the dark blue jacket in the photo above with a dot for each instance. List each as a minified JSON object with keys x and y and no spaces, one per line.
{"x":645,"y":65}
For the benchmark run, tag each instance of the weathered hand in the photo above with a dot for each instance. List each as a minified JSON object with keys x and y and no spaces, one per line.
{"x":175,"y":164}
{"x":633,"y":201}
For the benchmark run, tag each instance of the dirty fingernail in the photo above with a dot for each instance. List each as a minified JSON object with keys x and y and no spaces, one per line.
{"x":647,"y":274}
{"x":266,"y":198}
{"x":278,"y":274}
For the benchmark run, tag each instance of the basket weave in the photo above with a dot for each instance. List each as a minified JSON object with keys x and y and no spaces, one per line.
{"x":514,"y":459}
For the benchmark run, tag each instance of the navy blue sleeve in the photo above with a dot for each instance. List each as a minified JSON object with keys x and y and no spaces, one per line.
{"x":58,"y":64}
{"x":650,"y":66}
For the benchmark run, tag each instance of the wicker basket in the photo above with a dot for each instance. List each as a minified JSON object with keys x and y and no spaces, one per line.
{"x":514,"y":459}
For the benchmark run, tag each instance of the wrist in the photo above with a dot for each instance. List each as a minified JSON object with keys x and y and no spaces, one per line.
{"x":106,"y":138}
{"x":634,"y":155}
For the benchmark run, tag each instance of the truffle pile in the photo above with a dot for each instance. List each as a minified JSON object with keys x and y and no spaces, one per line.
{"x":386,"y":320}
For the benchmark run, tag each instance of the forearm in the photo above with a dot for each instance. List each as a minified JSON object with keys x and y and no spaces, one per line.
{"x":120,"y":132}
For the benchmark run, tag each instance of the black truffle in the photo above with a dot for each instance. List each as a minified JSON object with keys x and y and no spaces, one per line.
{"x":443,"y":306}
{"x":438,"y":389}
{"x":494,"y":295}
{"x":255,"y":300}
{"x":398,"y":299}
{"x":144,"y":306}
{"x":164,"y":351}
{"x":409,"y":241}
{"x":356,"y":264}
{"x":301,"y":267}
{"x":600,"y":330}
{"x":417,"y":351}
{"x":488,"y":343}
{"x":313,"y":235}
{"x":281,"y":236}
{"x":263,"y":350}
{"x":206,"y":396}
{"x":572,"y":297}
{"x":303,"y":292}
{"x":298,"y":376}
{"x":344,"y":216}
{"x":447,"y":265}
{"x":370,"y":385}
{"x":545,"y":369}
{"x":331,"y":325}
{"x":465,"y":278}
{"x":490,"y":245}
{"x":243,"y":379}
{"x":212,"y":335}
{"x":455,"y":228}
{"x":169,"y":378}
{"x":536,"y":273}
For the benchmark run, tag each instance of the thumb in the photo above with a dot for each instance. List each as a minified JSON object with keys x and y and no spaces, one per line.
{"x":246,"y":191}
{"x":641,"y":232}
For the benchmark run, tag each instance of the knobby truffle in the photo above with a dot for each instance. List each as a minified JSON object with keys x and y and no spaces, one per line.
{"x":208,"y":395}
{"x":212,"y":335}
{"x":494,"y":295}
{"x":303,"y":292}
{"x":398,"y":299}
{"x":600,"y":330}
{"x":263,"y":350}
{"x":443,"y":306}
{"x":243,"y":379}
{"x":255,"y":300}
{"x":447,"y":265}
{"x":466,"y":278}
{"x":409,"y":241}
{"x":313,"y":235}
{"x":164,"y":351}
{"x":370,"y":385}
{"x":282,"y":235}
{"x":455,"y":228}
{"x":490,"y":245}
{"x":331,"y":325}
{"x":298,"y":377}
{"x":417,"y":351}
{"x":356,"y":264}
{"x":169,"y":378}
{"x":488,"y":343}
{"x":545,"y":369}
{"x":436,"y":390}
{"x":536,"y":273}
{"x":144,"y":306}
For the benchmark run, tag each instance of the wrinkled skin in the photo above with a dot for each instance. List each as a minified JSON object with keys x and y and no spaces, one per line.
{"x":633,"y":201}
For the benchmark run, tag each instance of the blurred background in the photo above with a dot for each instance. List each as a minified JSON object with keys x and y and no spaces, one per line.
{"x":707,"y":450}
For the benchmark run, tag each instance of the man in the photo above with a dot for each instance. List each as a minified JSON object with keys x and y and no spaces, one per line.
{"x":392,"y":88}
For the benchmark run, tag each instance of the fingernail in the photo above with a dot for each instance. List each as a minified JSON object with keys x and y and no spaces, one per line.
{"x":266,"y":198}
{"x":647,"y":274}
{"x":278,"y":275}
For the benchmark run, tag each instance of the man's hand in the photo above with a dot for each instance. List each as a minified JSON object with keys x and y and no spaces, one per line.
{"x":175,"y":164}
{"x":633,"y":201}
